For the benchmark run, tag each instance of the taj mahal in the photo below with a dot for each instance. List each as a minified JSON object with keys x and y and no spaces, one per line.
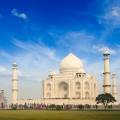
{"x":71,"y":85}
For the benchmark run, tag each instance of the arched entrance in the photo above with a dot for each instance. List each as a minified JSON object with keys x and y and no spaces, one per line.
{"x":63,"y":90}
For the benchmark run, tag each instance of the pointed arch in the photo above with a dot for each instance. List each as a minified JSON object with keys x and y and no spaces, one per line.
{"x":63,"y":90}
{"x":87,"y":86}
{"x":87,"y":96}
{"x":49,"y":86}
{"x":78,"y":95}
{"x":48,"y":95}
{"x":77,"y":85}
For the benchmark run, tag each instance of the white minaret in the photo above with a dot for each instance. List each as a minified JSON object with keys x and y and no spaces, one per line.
{"x":14,"y":83}
{"x":106,"y":84}
{"x":114,"y":86}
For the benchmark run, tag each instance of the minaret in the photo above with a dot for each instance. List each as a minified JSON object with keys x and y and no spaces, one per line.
{"x":106,"y":84}
{"x":114,"y":86}
{"x":14,"y":83}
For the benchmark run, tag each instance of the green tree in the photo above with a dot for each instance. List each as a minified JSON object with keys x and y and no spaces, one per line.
{"x":105,"y":99}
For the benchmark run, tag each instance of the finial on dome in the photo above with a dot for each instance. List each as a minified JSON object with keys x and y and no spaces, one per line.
{"x":71,"y":53}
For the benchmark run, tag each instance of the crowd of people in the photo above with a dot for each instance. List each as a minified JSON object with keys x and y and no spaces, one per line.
{"x":54,"y":107}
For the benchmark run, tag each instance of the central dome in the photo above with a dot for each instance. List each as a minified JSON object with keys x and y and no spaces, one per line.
{"x":71,"y":62}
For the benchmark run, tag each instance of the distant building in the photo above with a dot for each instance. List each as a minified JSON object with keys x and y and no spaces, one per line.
{"x":3,"y":101}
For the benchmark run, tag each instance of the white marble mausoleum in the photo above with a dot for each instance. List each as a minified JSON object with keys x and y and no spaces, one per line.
{"x":72,"y":82}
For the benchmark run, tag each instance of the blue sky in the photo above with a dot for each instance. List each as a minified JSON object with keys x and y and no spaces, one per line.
{"x":37,"y":34}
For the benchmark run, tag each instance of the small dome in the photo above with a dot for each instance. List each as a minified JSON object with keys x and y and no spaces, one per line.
{"x":52,"y":73}
{"x":72,"y":62}
{"x":88,"y":76}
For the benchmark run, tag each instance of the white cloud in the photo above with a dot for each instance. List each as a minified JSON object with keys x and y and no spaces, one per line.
{"x":77,"y":41}
{"x":109,"y":19}
{"x":116,"y":12}
{"x":2,"y":69}
{"x":14,"y":12}
{"x":5,"y":71}
{"x":112,"y":16}
{"x":37,"y":59}
{"x":5,"y":54}
{"x":36,"y":48}
{"x":103,"y":49}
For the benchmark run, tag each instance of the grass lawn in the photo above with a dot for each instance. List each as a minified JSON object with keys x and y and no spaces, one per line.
{"x":58,"y":115}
